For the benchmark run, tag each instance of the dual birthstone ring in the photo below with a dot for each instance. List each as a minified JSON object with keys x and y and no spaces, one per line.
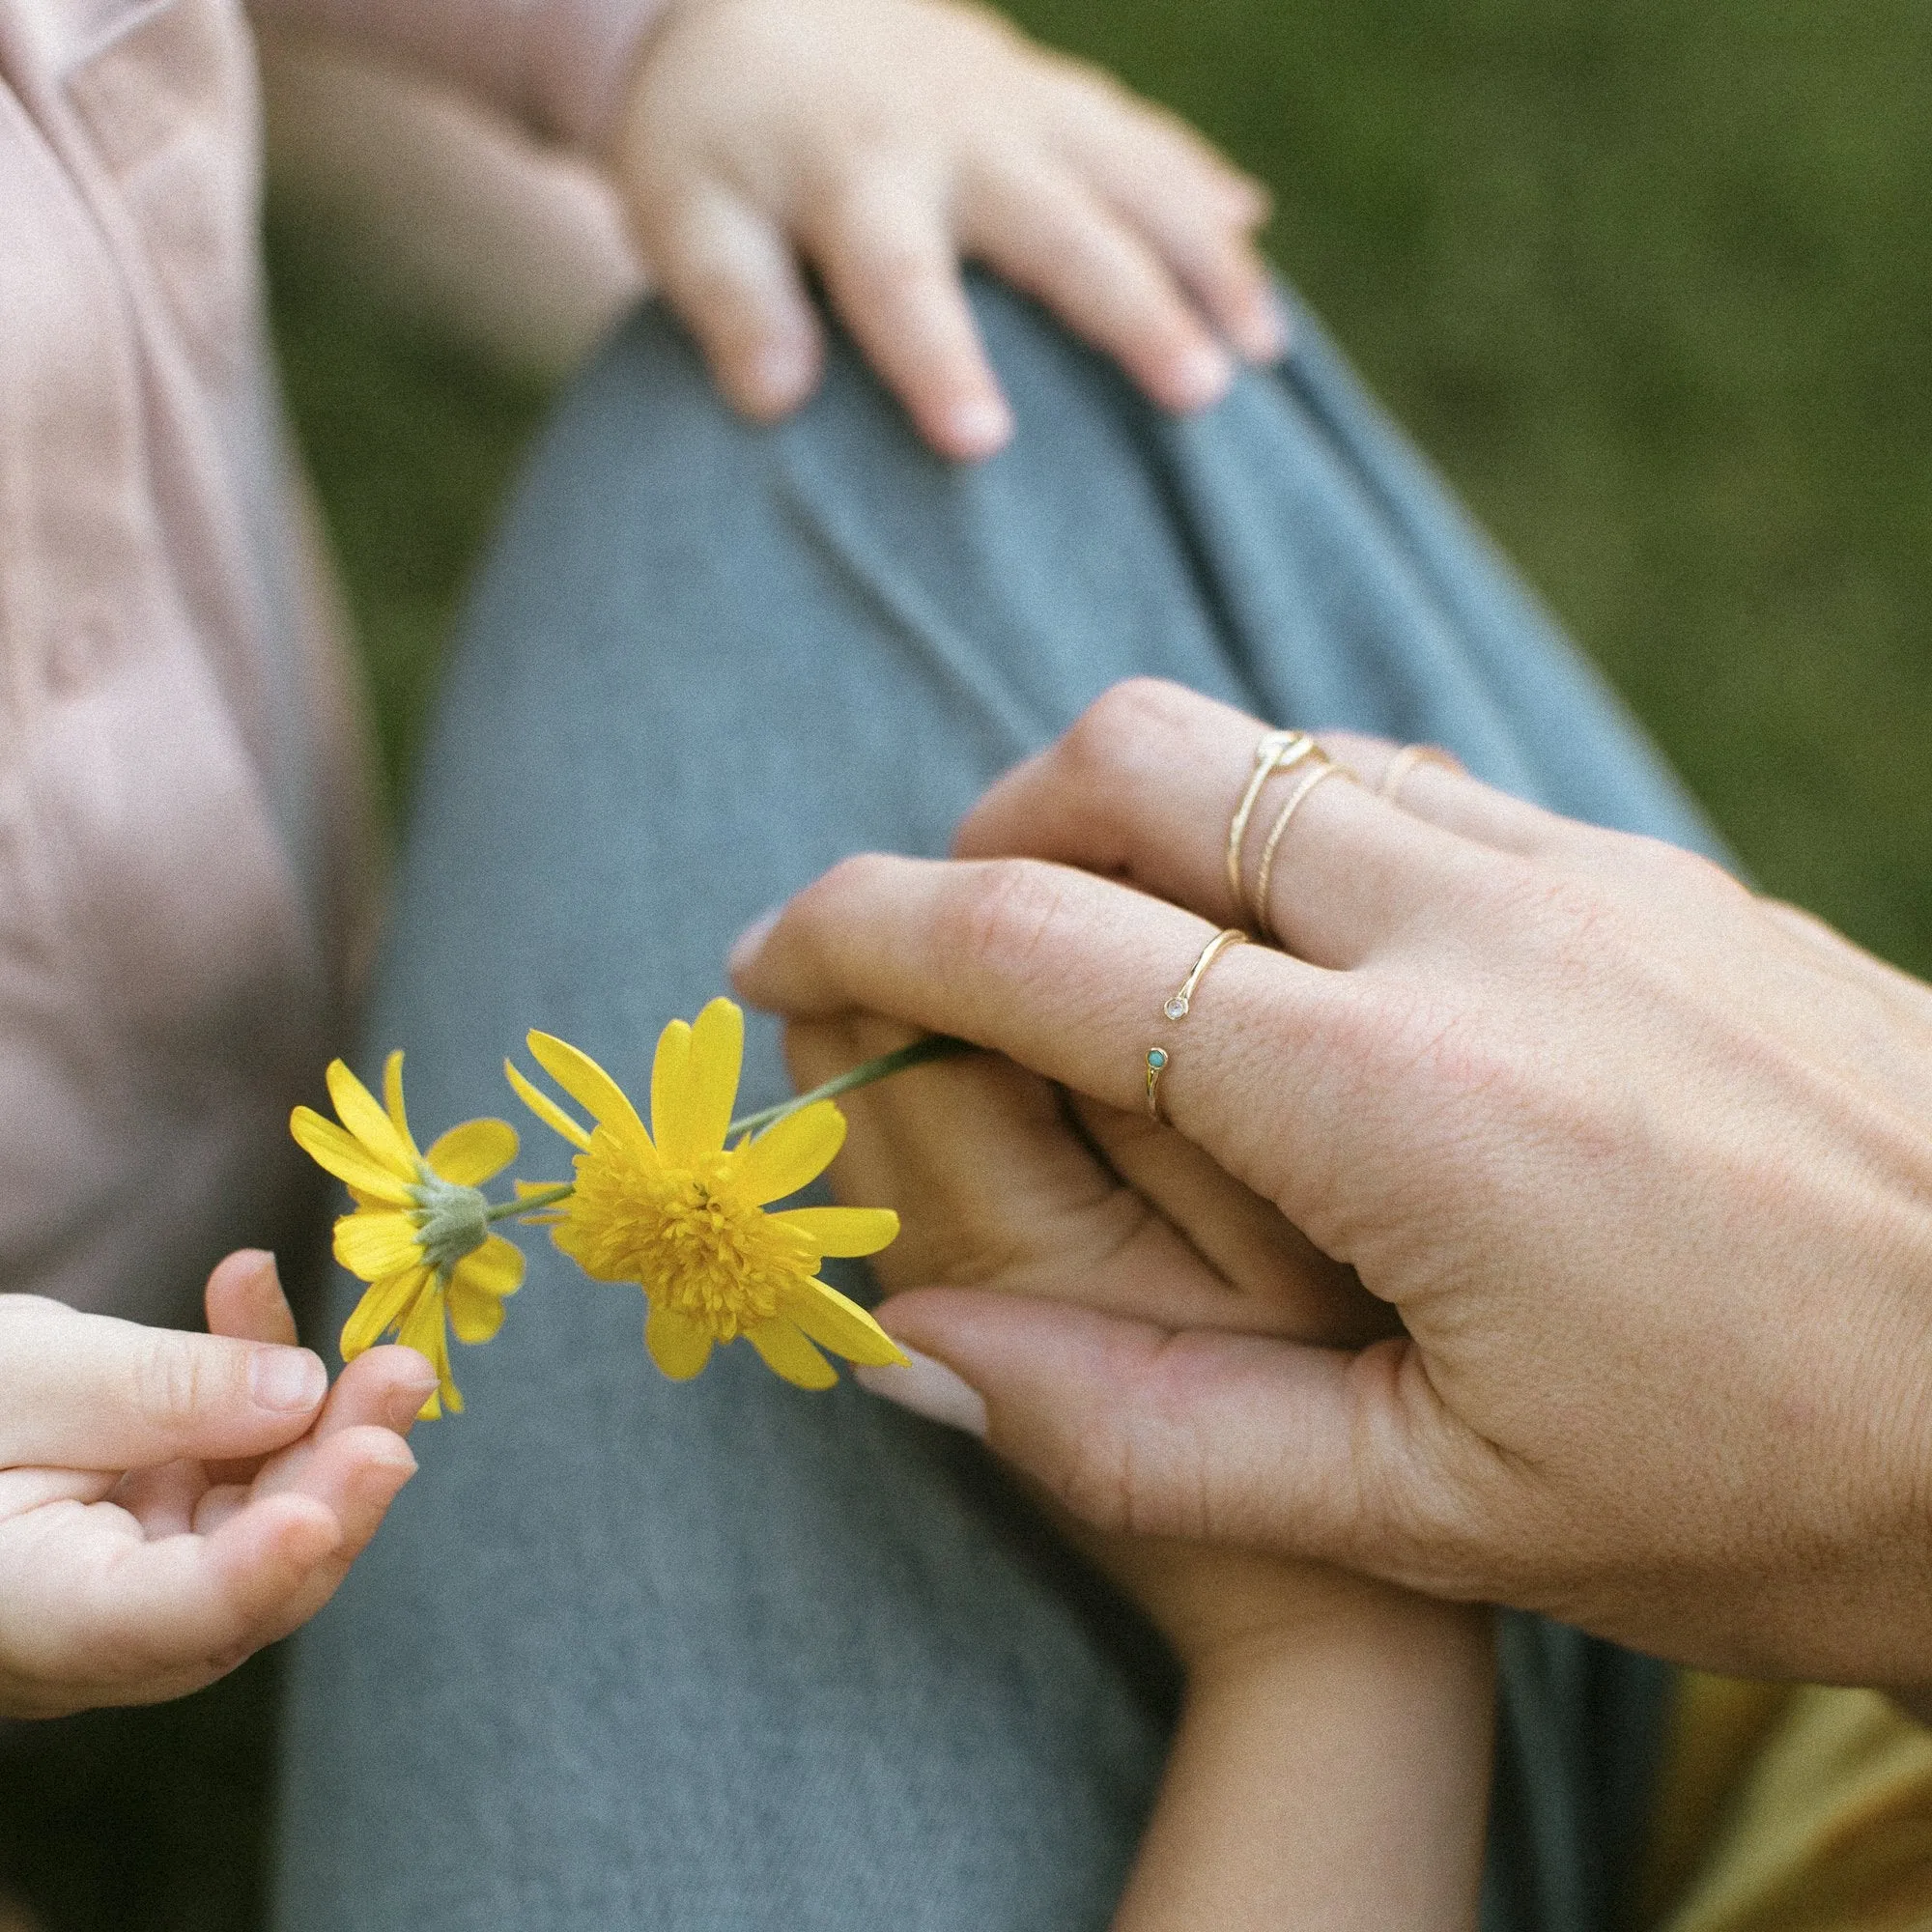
{"x":1160,"y":1058}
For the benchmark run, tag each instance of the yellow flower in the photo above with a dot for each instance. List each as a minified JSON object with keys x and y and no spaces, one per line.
{"x":420,"y":1232}
{"x":683,"y":1215}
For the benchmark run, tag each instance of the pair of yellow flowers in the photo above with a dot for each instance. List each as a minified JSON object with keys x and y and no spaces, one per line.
{"x":674,"y":1209}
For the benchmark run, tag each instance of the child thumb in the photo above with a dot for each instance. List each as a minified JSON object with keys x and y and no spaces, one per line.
{"x":92,"y":1392}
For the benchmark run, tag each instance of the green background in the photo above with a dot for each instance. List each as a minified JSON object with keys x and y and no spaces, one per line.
{"x":1651,"y":280}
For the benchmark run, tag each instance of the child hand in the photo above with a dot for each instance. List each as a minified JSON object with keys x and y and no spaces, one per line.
{"x":880,"y":141}
{"x":170,"y":1503}
{"x":999,"y":1186}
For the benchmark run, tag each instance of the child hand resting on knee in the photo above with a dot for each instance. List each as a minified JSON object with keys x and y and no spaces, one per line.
{"x":878,"y":142}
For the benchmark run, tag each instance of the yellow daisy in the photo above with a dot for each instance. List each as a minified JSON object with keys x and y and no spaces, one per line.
{"x":420,"y":1232}
{"x":683,"y":1215}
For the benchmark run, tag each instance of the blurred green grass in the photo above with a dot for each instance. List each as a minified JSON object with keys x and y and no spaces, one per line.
{"x":1649,"y":280}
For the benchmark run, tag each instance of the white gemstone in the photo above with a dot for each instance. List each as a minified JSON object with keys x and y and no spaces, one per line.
{"x":1176,"y":1008}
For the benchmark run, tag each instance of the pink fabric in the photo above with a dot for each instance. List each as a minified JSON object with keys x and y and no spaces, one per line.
{"x":186,"y":870}
{"x":558,"y":65}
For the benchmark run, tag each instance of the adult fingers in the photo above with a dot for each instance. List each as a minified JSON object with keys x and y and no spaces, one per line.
{"x":1048,"y":234}
{"x":891,"y":266}
{"x":1147,"y":785}
{"x":1274,"y":1070}
{"x":1311,"y":1452}
{"x":729,"y":272}
{"x":996,"y":1188}
{"x":91,"y":1392}
{"x":1431,"y":783}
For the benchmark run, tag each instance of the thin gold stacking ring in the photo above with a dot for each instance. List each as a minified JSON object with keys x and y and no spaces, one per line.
{"x":1327,"y":769}
{"x":1159,"y":1058}
{"x":1396,"y":773}
{"x":1277,"y":752}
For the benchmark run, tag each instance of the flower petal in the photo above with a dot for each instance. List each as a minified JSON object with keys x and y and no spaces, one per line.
{"x":842,"y":1231}
{"x":586,"y":1082}
{"x":670,"y":1094}
{"x":679,"y":1345}
{"x":347,"y":1158}
{"x":717,"y":1060}
{"x":393,"y":1099}
{"x":377,"y":1245}
{"x":792,"y":1153}
{"x":545,"y":1108}
{"x":842,"y":1325}
{"x":475,"y":1313}
{"x":356,"y":1109}
{"x":497,"y":1268}
{"x":424,"y":1332}
{"x":789,"y":1354}
{"x":475,"y":1153}
{"x":381,"y":1309}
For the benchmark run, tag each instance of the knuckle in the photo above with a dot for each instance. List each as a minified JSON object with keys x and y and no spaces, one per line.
{"x":896,"y":270}
{"x":839,"y":899}
{"x":998,"y":916}
{"x":1093,"y":1480}
{"x":1120,"y":723}
{"x":173,"y":1380}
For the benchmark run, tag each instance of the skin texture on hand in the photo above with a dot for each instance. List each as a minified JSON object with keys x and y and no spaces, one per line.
{"x":170,"y":1503}
{"x":1322,"y":1707}
{"x":1644,"y":1163}
{"x":879,"y":143}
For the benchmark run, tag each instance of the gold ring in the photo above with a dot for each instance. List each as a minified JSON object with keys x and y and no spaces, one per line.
{"x":1325,"y":770}
{"x":1395,"y":774}
{"x":1276,"y":753}
{"x":1159,"y":1058}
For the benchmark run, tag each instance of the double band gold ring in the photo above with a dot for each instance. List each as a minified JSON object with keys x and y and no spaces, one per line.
{"x":1277,"y":752}
{"x":1396,"y":773}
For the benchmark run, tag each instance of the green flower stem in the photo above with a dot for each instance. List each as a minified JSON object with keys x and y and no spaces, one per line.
{"x":934,"y":1046}
{"x":529,"y":1204}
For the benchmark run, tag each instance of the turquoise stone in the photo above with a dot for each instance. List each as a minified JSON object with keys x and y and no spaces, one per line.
{"x":1156,"y":1057}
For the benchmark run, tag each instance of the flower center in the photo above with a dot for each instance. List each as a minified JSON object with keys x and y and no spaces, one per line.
{"x":684,"y":1234}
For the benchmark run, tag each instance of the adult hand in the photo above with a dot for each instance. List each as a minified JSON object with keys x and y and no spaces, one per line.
{"x":1318,"y":1703}
{"x":1644,"y":1163}
{"x":879,"y":141}
{"x":1003,"y":1184}
{"x":170,"y":1503}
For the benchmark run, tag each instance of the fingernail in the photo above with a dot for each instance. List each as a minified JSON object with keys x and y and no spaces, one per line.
{"x":411,"y":1392}
{"x":749,"y":943}
{"x":978,"y":428}
{"x":287,"y":1379}
{"x":930,"y":1389}
{"x":398,"y":1458}
{"x":1203,"y":376}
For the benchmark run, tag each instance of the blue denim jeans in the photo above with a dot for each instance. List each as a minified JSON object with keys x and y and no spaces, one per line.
{"x":726,"y":1655}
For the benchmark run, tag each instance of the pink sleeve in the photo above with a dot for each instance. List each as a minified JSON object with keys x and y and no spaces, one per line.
{"x":558,"y":65}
